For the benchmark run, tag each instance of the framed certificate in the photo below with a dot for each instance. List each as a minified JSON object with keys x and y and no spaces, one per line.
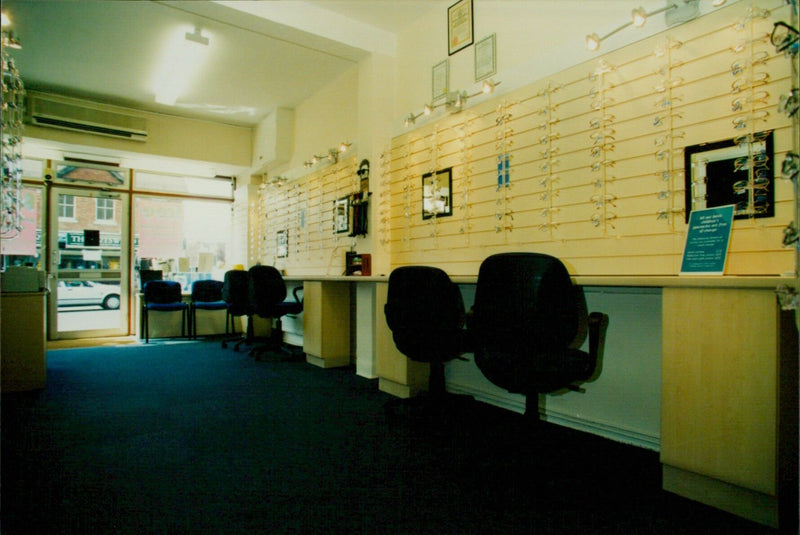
{"x":440,"y":80}
{"x":459,"y":26}
{"x":485,"y":58}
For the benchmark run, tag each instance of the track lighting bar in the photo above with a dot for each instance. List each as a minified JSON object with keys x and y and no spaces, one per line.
{"x":677,"y":11}
{"x":455,"y":101}
{"x":332,"y":156}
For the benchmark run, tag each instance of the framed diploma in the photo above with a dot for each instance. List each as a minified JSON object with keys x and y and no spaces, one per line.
{"x":485,"y":58}
{"x":459,"y":26}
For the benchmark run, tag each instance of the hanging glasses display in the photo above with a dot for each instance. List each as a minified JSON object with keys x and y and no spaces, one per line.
{"x":13,"y":108}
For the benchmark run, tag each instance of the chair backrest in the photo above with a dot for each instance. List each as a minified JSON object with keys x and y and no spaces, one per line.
{"x":425,"y":312}
{"x":147,"y":275}
{"x":266,"y":289}
{"x":207,"y":291}
{"x":234,"y":291}
{"x":161,"y":292}
{"x":525,"y":305}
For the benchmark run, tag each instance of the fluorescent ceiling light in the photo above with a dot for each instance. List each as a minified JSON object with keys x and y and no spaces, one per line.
{"x":184,"y":57}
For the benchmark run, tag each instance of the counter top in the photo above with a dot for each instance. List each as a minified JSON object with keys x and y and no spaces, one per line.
{"x":640,"y":281}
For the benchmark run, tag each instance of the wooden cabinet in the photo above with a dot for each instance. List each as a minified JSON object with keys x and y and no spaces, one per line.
{"x":397,"y":374}
{"x":720,"y":398}
{"x":326,"y":323}
{"x":23,"y":341}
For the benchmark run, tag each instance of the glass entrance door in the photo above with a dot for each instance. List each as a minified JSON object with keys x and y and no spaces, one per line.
{"x":88,"y":275}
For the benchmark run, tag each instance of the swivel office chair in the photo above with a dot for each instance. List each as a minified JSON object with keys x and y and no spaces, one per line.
{"x":235,"y":287}
{"x":526,"y":316}
{"x":162,"y":296}
{"x":266,"y":295}
{"x":206,"y":295}
{"x":425,"y":312}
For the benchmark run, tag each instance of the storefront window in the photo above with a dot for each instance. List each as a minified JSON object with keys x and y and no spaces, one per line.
{"x":25,"y":247}
{"x":186,"y":240}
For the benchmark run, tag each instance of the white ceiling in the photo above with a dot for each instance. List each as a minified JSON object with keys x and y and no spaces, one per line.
{"x":263,"y":54}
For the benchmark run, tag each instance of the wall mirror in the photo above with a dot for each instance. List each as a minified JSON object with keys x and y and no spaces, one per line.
{"x":341,"y":215}
{"x":437,"y":199}
{"x":738,"y":171}
{"x":283,"y":244}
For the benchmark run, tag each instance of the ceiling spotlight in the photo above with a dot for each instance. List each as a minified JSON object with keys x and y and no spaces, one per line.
{"x":488,"y":87}
{"x":197,"y":37}
{"x":343,"y":146}
{"x":592,"y":42}
{"x":408,"y":121}
{"x":718,"y":3}
{"x":638,"y":17}
{"x":428,"y":109}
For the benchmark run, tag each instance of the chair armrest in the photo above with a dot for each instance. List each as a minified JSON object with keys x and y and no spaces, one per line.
{"x":295,"y":290}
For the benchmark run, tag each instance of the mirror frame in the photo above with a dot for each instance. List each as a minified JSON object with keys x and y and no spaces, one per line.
{"x":435,"y":183}
{"x":717,"y":189}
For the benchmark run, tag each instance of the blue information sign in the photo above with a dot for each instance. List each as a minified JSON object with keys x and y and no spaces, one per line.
{"x":707,"y":242}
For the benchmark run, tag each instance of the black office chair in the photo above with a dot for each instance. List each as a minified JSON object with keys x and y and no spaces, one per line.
{"x":523,"y":325}
{"x":163,"y":296}
{"x":425,"y":312}
{"x":235,"y":288}
{"x":206,"y":295}
{"x":267,"y":294}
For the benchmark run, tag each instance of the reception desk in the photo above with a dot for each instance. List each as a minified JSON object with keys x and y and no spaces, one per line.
{"x":693,"y":368}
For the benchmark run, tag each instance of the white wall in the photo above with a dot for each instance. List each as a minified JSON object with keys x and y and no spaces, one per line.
{"x":326,"y":119}
{"x":623,"y":403}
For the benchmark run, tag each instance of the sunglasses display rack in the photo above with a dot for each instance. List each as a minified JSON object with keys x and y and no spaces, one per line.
{"x":433,"y":167}
{"x":384,"y":203}
{"x":754,"y":196}
{"x":406,"y":182}
{"x":504,"y":139}
{"x":601,"y":136}
{"x":664,"y":124}
{"x":785,"y":37}
{"x":12,"y":116}
{"x":548,"y":154}
{"x":464,"y":184}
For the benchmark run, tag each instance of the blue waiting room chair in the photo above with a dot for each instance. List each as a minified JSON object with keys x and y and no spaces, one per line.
{"x":163,"y":296}
{"x":206,"y":295}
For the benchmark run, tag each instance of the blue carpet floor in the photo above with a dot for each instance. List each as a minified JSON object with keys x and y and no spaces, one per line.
{"x":192,"y":439}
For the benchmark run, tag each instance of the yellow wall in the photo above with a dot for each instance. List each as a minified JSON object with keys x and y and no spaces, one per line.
{"x":625,"y":218}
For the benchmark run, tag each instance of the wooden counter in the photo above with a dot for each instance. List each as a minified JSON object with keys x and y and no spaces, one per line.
{"x":24,"y":360}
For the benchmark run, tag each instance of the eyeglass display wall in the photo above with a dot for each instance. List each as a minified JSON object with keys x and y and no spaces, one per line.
{"x":304,"y":225}
{"x":588,"y":165}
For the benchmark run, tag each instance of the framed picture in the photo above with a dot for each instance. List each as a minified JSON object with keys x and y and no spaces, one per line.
{"x":283,"y":244}
{"x":440,"y":80}
{"x":437,"y":196}
{"x":485,"y":58}
{"x":459,"y":26}
{"x":341,"y":215}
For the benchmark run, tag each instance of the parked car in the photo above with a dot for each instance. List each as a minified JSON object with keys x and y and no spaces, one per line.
{"x":83,"y":293}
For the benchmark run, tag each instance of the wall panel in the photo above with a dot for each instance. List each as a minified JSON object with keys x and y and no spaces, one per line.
{"x":596,"y":156}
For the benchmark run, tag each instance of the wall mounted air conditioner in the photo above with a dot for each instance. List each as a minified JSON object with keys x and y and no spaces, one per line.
{"x":47,"y":112}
